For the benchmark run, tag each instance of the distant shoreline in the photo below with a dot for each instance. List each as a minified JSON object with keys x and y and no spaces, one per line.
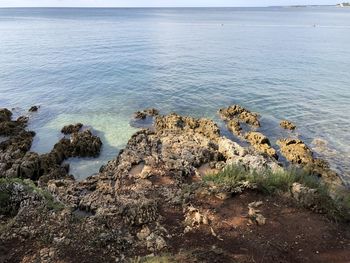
{"x":160,"y":7}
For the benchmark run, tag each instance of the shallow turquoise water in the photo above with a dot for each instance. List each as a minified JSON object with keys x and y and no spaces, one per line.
{"x":98,"y":66}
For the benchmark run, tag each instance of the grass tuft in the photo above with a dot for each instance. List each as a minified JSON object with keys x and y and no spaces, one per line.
{"x":6,"y":186}
{"x":335,"y":206}
{"x":153,"y":259}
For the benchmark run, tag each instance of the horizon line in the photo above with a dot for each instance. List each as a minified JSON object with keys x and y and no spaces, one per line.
{"x":320,"y":5}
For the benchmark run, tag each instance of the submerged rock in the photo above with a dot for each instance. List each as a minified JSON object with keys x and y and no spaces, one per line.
{"x":34,"y":108}
{"x":287,"y":125}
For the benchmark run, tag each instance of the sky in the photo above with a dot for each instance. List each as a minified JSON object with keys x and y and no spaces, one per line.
{"x":158,"y":3}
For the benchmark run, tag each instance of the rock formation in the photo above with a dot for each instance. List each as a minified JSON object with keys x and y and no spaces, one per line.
{"x":149,"y":199}
{"x":261,"y":143}
{"x":69,"y":129}
{"x":147,"y":112}
{"x":298,"y":153}
{"x":287,"y":125}
{"x":240,"y":113}
{"x":17,"y":161}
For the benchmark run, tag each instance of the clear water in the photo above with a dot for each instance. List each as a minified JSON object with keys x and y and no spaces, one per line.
{"x":98,"y":66}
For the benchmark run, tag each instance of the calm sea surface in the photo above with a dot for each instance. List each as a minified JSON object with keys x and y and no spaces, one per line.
{"x":98,"y":66}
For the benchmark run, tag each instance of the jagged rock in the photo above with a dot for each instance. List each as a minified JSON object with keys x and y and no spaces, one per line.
{"x":16,"y":161}
{"x":81,"y":144}
{"x":194,"y":218}
{"x":240,"y":113}
{"x":261,"y":143}
{"x":144,"y":233}
{"x":235,"y":127}
{"x":11,"y":128}
{"x":151,"y":112}
{"x":155,"y":242}
{"x":151,"y":182}
{"x":296,"y":151}
{"x":140,"y":212}
{"x":287,"y":125}
{"x":7,"y":128}
{"x":34,"y":109}
{"x":140,"y":115}
{"x":174,"y":122}
{"x":303,"y":194}
{"x":236,"y":154}
{"x":5,"y":115}
{"x":255,"y":214}
{"x":16,"y":195}
{"x":72,"y":128}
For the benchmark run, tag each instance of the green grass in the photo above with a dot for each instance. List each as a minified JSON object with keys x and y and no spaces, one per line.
{"x":337,"y":207}
{"x":153,"y":259}
{"x":29,"y":186}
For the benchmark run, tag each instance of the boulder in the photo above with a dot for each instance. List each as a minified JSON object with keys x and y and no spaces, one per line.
{"x":287,"y":125}
{"x":304,"y":195}
{"x":84,"y":144}
{"x":34,"y":108}
{"x":295,"y":151}
{"x":5,"y":115}
{"x":261,"y":143}
{"x":235,"y":127}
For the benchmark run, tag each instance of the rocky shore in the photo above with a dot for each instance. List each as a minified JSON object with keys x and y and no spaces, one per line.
{"x":154,"y":200}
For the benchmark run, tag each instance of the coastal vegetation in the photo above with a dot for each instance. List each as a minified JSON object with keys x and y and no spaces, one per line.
{"x":320,"y":198}
{"x":25,"y":189}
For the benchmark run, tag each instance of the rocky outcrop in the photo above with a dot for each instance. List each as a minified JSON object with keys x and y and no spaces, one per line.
{"x":72,"y":128}
{"x":240,"y":113}
{"x":236,"y":154}
{"x":183,"y":124}
{"x":17,"y":161}
{"x":261,"y":143}
{"x":17,"y":195}
{"x":9,"y":127}
{"x":295,"y":151}
{"x":16,"y":145}
{"x":33,"y":166}
{"x":235,"y":127}
{"x":151,"y":196}
{"x":287,"y":125}
{"x":152,"y":112}
{"x":153,"y":161}
{"x":5,"y":115}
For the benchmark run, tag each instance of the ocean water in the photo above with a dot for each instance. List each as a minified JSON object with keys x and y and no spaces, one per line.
{"x":98,"y":66}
